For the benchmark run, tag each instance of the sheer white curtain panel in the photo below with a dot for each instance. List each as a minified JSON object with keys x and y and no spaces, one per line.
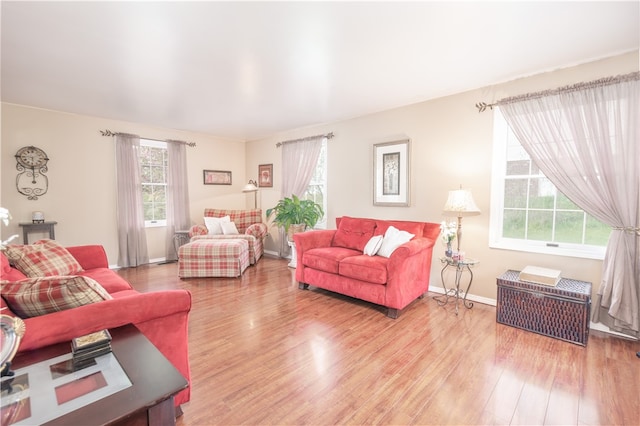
{"x":299,"y":160}
{"x":132,"y":239}
{"x":586,"y":140}
{"x":178,"y":216}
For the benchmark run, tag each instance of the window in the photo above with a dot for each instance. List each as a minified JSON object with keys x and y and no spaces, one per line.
{"x":528,"y":213}
{"x":317,"y":189}
{"x":153,"y":167}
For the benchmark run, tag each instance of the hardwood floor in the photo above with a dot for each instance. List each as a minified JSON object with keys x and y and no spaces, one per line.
{"x":264,"y":352}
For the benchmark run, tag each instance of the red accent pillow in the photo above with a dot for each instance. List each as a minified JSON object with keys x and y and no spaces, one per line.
{"x":43,"y":258}
{"x":32,"y":297}
{"x":353,"y":233}
{"x":8,"y":273}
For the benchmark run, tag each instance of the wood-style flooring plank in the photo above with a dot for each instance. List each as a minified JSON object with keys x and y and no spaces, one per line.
{"x":264,"y":352}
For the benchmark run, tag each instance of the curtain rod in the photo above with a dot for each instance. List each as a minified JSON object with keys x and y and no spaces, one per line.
{"x":607,"y":81}
{"x":110,"y":133}
{"x":308,"y":138}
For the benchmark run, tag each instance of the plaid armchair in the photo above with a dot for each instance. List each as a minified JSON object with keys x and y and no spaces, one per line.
{"x":249,"y":225}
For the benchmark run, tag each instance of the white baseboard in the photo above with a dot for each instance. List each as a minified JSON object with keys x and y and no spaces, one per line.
{"x":472,"y":297}
{"x":601,"y":327}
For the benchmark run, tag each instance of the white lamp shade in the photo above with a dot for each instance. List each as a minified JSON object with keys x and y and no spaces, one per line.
{"x":250,"y":187}
{"x":460,"y":203}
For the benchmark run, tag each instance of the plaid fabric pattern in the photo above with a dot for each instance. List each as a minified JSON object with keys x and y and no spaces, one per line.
{"x":213,"y":258}
{"x":198,"y":230}
{"x":258,"y":230}
{"x":242,"y":218}
{"x":32,"y":297}
{"x":43,"y":258}
{"x":255,"y":245}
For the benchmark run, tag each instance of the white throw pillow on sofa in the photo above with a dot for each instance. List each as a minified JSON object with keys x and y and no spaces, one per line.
{"x":393,"y":239}
{"x":213,"y":224}
{"x":373,"y":245}
{"x":229,"y":228}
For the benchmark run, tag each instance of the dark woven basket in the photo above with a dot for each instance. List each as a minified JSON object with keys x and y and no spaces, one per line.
{"x":560,"y":311}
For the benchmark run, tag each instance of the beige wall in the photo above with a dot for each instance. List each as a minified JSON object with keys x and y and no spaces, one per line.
{"x":451,"y":146}
{"x":81,"y":196}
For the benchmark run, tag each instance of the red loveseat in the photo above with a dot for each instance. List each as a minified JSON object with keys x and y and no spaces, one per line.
{"x":334,"y":260}
{"x":161,"y":316}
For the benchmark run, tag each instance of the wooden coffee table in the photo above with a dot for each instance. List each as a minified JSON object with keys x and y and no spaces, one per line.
{"x":149,"y":398}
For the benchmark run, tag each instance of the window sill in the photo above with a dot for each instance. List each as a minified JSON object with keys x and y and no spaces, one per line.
{"x":155,"y":224}
{"x":595,"y":253}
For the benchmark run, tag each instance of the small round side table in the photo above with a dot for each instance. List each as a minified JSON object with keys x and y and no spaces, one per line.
{"x":460,"y":266}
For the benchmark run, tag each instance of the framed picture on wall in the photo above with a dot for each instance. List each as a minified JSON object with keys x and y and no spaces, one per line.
{"x":391,"y":173}
{"x":216,"y":177}
{"x":265,"y":175}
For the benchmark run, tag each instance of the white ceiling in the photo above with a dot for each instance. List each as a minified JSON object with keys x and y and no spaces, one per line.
{"x":250,"y":69}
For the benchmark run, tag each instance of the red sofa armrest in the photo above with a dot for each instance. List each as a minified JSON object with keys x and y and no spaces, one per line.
{"x":313,"y":239}
{"x":90,"y":256}
{"x":162,"y":316}
{"x":409,"y":272}
{"x":306,"y":241}
{"x":126,"y":307}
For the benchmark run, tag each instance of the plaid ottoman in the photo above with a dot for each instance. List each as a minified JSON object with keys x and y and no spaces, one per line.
{"x":213,"y":258}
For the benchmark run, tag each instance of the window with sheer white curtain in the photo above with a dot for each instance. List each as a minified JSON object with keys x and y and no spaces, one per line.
{"x":529,"y":213}
{"x":317,"y":189}
{"x":299,"y":162}
{"x":586,"y":139}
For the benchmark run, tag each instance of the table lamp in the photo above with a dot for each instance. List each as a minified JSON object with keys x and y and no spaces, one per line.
{"x":252,"y":186}
{"x":460,"y":203}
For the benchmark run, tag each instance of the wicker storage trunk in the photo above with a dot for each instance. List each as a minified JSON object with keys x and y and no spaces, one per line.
{"x":560,"y":311}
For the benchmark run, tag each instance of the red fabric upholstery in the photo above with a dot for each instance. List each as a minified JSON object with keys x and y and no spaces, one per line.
{"x":353,"y":233}
{"x":9,"y":273}
{"x":394,"y":282}
{"x":371,"y":269}
{"x":327,"y":258}
{"x":162,"y":316}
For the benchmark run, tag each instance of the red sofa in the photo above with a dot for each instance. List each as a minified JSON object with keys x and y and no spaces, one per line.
{"x":334,"y":260}
{"x":161,"y":316}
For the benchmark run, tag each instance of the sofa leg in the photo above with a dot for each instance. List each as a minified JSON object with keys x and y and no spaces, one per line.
{"x":303,"y":286}
{"x":393,"y":313}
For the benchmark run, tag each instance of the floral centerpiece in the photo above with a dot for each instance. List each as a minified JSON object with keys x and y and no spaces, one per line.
{"x":448,"y":234}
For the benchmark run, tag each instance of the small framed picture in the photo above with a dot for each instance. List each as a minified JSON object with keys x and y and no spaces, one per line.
{"x":216,"y":177}
{"x":265,"y":175}
{"x":391,"y":184}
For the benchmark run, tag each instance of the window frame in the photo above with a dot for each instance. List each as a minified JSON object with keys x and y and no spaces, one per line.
{"x":153,"y":144}
{"x":498,"y":178}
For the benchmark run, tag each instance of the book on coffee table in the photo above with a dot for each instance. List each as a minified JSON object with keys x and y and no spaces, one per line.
{"x":91,"y":341}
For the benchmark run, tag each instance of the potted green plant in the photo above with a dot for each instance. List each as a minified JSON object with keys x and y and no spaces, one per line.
{"x":295,"y":215}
